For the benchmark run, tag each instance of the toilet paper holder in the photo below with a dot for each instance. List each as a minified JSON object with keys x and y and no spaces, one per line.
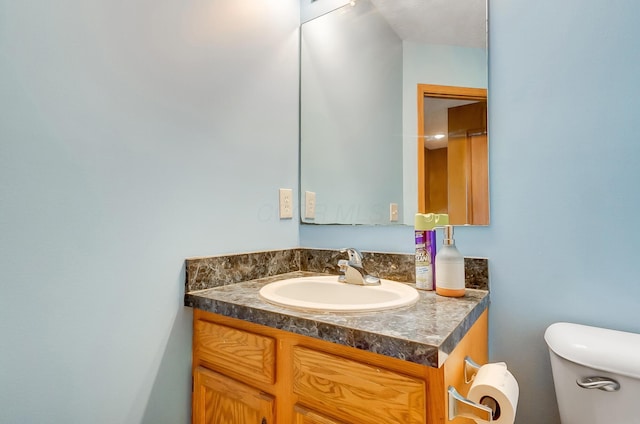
{"x":460,"y":406}
{"x":470,"y":369}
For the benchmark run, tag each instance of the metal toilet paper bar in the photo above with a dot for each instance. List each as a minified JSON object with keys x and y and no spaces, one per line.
{"x":460,"y":406}
{"x":470,"y":369}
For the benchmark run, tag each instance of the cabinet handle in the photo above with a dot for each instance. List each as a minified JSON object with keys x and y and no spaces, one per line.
{"x":264,"y":421}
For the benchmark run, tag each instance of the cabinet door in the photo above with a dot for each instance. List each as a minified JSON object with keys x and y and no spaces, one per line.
{"x":218,"y":399}
{"x":302,"y":415}
{"x":357,"y":392}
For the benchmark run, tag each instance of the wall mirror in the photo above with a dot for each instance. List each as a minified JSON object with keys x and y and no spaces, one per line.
{"x":370,"y":72}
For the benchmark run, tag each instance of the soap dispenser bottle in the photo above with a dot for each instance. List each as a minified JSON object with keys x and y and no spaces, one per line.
{"x":450,"y":266}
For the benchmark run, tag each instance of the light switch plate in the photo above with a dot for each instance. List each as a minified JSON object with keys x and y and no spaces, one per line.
{"x":393,"y":212}
{"x":286,"y":203}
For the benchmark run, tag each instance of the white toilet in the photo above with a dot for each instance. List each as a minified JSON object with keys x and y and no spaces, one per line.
{"x":596,"y":373}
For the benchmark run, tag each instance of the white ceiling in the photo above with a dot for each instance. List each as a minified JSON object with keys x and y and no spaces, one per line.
{"x":450,"y":22}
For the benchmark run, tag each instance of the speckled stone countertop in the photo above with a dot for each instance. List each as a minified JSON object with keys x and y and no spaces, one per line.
{"x":424,"y":333}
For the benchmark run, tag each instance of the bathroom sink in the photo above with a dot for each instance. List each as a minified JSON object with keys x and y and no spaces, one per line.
{"x":327,"y":294}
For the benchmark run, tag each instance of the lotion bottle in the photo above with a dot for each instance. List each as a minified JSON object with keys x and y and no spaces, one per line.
{"x":450,"y":266}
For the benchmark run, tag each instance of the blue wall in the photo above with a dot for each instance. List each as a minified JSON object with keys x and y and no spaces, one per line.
{"x":127,"y":130}
{"x":133,"y":134}
{"x":564,"y":235}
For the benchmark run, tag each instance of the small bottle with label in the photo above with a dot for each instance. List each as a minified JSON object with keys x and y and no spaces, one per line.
{"x":424,"y":264}
{"x":450,"y":266}
{"x":425,"y":239}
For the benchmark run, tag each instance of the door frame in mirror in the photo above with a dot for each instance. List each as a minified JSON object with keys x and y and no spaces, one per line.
{"x":441,"y":92}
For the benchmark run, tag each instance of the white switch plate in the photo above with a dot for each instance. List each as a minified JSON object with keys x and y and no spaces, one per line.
{"x":393,"y":212}
{"x":309,"y":204}
{"x":286,"y":203}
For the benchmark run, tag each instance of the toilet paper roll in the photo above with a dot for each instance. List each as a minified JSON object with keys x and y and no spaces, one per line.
{"x":494,"y":385}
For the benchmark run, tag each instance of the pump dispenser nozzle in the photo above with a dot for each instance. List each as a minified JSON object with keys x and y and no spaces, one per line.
{"x":448,"y":236}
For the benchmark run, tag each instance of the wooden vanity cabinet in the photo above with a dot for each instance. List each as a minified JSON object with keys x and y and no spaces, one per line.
{"x":220,"y":399}
{"x":302,"y":415}
{"x":245,"y":373}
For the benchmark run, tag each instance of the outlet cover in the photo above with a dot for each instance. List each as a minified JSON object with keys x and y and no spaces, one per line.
{"x":286,"y":203}
{"x":309,"y":205}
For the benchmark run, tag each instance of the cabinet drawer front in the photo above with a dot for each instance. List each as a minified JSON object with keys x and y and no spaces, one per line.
{"x":357,"y":392}
{"x":235,"y":351}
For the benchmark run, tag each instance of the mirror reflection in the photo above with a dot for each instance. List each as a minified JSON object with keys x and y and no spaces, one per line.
{"x":453,"y":172}
{"x":365,"y":142}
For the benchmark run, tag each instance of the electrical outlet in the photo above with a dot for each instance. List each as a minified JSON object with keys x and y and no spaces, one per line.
{"x":286,"y":203}
{"x":309,"y":204}
{"x":393,"y":212}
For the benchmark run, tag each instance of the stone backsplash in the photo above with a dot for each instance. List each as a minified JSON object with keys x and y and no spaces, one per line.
{"x":215,"y":271}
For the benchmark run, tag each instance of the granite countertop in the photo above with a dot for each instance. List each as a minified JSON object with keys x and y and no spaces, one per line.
{"x":424,"y":333}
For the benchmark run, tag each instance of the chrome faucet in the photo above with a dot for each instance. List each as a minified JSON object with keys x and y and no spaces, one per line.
{"x":352,"y":270}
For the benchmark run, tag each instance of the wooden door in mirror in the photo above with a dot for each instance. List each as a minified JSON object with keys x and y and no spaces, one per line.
{"x":453,"y":172}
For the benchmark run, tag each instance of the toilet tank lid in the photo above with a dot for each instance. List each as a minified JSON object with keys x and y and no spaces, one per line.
{"x":599,"y":348}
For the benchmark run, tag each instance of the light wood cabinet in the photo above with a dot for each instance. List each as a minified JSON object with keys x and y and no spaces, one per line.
{"x":238,"y":353}
{"x":222,"y":400}
{"x":303,"y":415}
{"x":356,"y":392}
{"x":246,"y":373}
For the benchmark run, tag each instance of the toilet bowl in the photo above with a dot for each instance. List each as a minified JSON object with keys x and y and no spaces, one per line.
{"x":596,"y":374}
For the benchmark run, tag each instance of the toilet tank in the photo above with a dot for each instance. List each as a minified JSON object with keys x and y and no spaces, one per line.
{"x":606,"y":362}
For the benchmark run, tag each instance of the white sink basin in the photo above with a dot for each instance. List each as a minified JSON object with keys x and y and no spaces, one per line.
{"x":326,"y":294}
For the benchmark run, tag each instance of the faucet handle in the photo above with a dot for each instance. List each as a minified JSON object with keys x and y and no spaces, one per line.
{"x":343,"y":264}
{"x":355,"y":257}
